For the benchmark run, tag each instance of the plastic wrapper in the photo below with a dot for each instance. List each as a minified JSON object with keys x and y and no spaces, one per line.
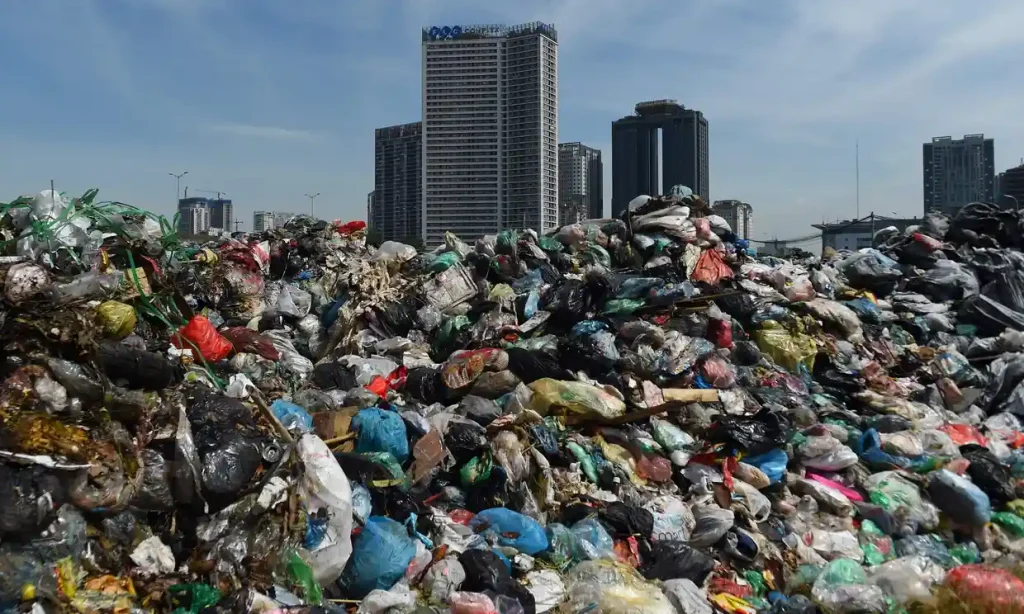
{"x":551,"y":396}
{"x":605,"y":587}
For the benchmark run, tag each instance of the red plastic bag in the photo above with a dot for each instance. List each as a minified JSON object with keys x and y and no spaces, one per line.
{"x":350,"y":227}
{"x":984,"y":589}
{"x":380,"y":385}
{"x":204,"y":338}
{"x":927,"y":242}
{"x":711,"y":268}
{"x":248,"y":340}
{"x":963,"y":434}
{"x":720,"y":333}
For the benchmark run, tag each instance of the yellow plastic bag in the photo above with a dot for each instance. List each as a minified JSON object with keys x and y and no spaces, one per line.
{"x":551,"y":395}
{"x":118,"y":319}
{"x":787,"y":349}
{"x":607,"y":587}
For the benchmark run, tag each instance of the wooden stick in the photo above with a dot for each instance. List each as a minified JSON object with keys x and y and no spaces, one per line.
{"x":283,"y":432}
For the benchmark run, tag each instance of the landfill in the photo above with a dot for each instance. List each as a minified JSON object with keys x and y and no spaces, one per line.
{"x":624,"y":415}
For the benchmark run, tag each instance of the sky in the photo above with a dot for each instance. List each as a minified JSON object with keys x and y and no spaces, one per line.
{"x":267,"y":100}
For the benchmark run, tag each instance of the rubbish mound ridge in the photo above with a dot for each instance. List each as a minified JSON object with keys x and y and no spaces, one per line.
{"x":624,"y":415}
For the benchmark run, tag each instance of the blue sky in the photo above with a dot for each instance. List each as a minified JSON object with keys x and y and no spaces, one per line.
{"x":268,"y":99}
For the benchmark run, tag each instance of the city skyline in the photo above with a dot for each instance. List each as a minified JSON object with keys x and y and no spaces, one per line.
{"x":270,"y":101}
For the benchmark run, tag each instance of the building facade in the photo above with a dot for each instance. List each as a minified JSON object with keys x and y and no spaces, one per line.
{"x":194,"y":219}
{"x":635,"y":145}
{"x":580,"y":182}
{"x":490,"y":130}
{"x":221,"y":211}
{"x":958,"y":172}
{"x":1011,"y":187}
{"x":397,"y":182}
{"x":262,"y":221}
{"x":738,"y":214}
{"x":857,"y":234}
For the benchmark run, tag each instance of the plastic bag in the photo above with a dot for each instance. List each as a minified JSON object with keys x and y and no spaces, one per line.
{"x":293,"y":302}
{"x":606,"y":587}
{"x":511,"y":529}
{"x":292,"y":416}
{"x":442,"y":579}
{"x":980,"y":588}
{"x":326,"y":491}
{"x":247,"y":340}
{"x":393,"y":251}
{"x":711,"y":268}
{"x":381,"y":431}
{"x":842,"y":587}
{"x":550,"y":396}
{"x":712,"y":523}
{"x":118,"y":319}
{"x":380,"y":554}
{"x":959,"y":498}
{"x":592,"y":541}
{"x":788,"y":349}
{"x":199,"y":334}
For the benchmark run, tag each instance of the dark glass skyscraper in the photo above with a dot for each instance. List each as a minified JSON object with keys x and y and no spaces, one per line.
{"x":684,"y":152}
{"x":395,"y":208}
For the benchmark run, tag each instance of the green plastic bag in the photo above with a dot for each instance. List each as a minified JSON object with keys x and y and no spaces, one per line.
{"x":477,"y":470}
{"x":396,"y":475}
{"x":444,"y":262}
{"x":197,"y":597}
{"x":584,"y":459}
{"x":301,"y":576}
{"x":1011,"y":523}
{"x":787,"y":349}
{"x":622,"y":306}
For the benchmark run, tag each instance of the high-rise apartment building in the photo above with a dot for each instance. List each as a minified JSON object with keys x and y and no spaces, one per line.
{"x":580,"y":182}
{"x":282,"y":217}
{"x":193,"y":218}
{"x":635,"y":146}
{"x":958,"y":172}
{"x":262,"y":220}
{"x":398,"y":175}
{"x":221,"y":211}
{"x":738,"y":214}
{"x":1011,"y":187}
{"x":490,"y":129}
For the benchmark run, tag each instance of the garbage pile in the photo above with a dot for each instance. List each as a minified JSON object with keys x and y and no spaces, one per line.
{"x":626,"y":415}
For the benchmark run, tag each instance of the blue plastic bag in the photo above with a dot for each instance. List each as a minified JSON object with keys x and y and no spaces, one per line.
{"x":380,"y":555}
{"x":772,"y":464}
{"x":292,"y":416}
{"x":511,"y":529}
{"x":869,"y":449}
{"x":638,"y":287}
{"x":381,"y":431}
{"x":959,"y":498}
{"x":592,"y":541}
{"x":865,"y":309}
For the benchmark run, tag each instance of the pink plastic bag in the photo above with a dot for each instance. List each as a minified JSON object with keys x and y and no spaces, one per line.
{"x":850,"y":493}
{"x":471,"y":603}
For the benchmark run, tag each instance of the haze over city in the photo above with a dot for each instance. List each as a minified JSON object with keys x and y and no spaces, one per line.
{"x":270,"y":100}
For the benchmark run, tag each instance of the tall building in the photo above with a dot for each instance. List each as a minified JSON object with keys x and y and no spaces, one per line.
{"x":194,"y":219}
{"x":635,"y":143}
{"x":739,"y":214}
{"x":397,"y":184}
{"x":282,"y":217}
{"x":958,"y":172}
{"x":369,"y":207}
{"x":221,"y":210}
{"x":1011,"y":187}
{"x":262,"y":220}
{"x":490,"y":129}
{"x":580,"y":182}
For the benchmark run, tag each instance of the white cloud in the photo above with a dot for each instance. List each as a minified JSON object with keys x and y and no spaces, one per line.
{"x":273,"y":133}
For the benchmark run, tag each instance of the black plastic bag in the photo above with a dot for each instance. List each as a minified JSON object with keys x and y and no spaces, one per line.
{"x":990,"y":317}
{"x":758,"y":434}
{"x":425,"y":384}
{"x":988,"y":473}
{"x":797,"y":604}
{"x":480,"y":410}
{"x":674,"y":559}
{"x":868,"y":272}
{"x":333,"y":376}
{"x":486,"y":572}
{"x":154,"y":491}
{"x":397,"y":319}
{"x":532,"y":365}
{"x":545,"y":439}
{"x":228,"y":444}
{"x":570,"y":303}
{"x":1007,"y":289}
{"x":946,"y":281}
{"x":30,"y":496}
{"x":746,"y":354}
{"x":136,"y":369}
{"x":465,"y":440}
{"x":627,"y":520}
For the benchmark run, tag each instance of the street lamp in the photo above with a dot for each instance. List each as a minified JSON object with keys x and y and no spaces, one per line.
{"x":311,"y":198}
{"x":1015,"y":201}
{"x":177,"y":187}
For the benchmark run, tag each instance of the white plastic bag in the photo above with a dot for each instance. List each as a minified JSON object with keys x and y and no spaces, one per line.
{"x":393,"y":251}
{"x":324,"y":486}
